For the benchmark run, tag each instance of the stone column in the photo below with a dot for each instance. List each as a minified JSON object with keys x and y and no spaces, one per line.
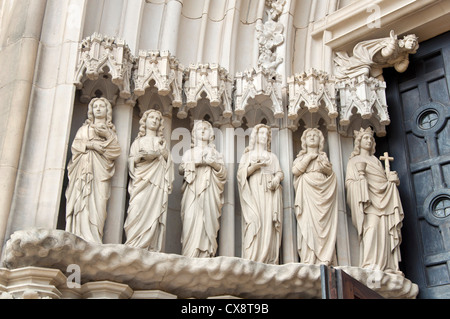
{"x":227,"y":223}
{"x":105,"y":290}
{"x":35,"y":283}
{"x":122,"y":119}
{"x":23,"y":31}
{"x":336,"y":159}
{"x":167,"y":117}
{"x":171,"y":25}
{"x":289,"y":236}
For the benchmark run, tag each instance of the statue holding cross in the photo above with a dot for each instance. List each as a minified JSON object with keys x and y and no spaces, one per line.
{"x":390,"y":175}
{"x":374,"y":200}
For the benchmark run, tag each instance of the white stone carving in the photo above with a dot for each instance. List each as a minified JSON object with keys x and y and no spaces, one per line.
{"x":371,"y":56}
{"x":311,"y":90}
{"x":258,"y":87}
{"x":270,"y":36}
{"x":179,"y":275}
{"x":364,"y":96}
{"x":204,"y":173}
{"x":316,"y":206}
{"x":360,"y":79}
{"x":100,"y":55}
{"x":212,"y":82}
{"x":259,"y":179}
{"x":151,"y":177}
{"x":90,"y":170}
{"x":162,"y":68}
{"x":375,"y":204}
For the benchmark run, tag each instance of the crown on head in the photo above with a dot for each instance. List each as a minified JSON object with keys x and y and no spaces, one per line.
{"x":362,"y":131}
{"x":411,"y":36}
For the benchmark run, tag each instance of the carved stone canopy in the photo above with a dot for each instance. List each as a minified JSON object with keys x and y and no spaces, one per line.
{"x":212,"y":82}
{"x":102,"y":55}
{"x":164,"y":70}
{"x":365,"y":97}
{"x":311,"y":92}
{"x":255,"y":88}
{"x":106,"y":67}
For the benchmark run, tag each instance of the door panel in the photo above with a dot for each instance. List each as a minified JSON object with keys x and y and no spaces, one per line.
{"x":418,"y":138}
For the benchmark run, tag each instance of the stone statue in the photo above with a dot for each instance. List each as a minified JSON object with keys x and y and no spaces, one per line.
{"x":259,"y":180}
{"x":370,"y":57}
{"x":315,"y":201}
{"x":90,"y":170}
{"x":204,"y":174}
{"x":374,"y":200}
{"x":151,"y":177}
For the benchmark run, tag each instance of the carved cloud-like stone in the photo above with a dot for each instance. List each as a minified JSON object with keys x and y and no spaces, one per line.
{"x":183,"y":276}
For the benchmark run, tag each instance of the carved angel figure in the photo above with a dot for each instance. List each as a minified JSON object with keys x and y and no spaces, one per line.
{"x":204,"y":175}
{"x":90,"y":170}
{"x":151,"y":177}
{"x":370,"y":57}
{"x":374,"y":200}
{"x":315,"y":201}
{"x":259,"y":180}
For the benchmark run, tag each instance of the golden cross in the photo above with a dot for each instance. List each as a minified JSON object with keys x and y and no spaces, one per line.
{"x":386,"y":160}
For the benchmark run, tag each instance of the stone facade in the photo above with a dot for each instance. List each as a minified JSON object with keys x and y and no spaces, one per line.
{"x":232,"y":63}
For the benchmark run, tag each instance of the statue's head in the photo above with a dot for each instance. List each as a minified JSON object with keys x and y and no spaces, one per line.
{"x":358,"y":135}
{"x":143,"y":123}
{"x":409,"y":43}
{"x":90,"y":113}
{"x":202,"y":130}
{"x":260,"y":129}
{"x":319,"y":142}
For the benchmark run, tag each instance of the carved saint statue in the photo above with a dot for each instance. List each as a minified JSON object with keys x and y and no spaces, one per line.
{"x":204,"y":174}
{"x":90,"y":170}
{"x":374,"y":200}
{"x":151,"y":177}
{"x":315,"y":201}
{"x":259,"y":180}
{"x":370,"y":57}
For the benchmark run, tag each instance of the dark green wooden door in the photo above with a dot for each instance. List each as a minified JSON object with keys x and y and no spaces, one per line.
{"x":419,"y":140}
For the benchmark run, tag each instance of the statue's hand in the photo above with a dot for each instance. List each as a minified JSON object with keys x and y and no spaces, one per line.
{"x":150,"y":156}
{"x":96,"y":147}
{"x":102,"y":131}
{"x":393,"y":178}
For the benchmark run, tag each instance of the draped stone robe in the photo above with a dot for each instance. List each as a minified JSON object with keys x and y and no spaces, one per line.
{"x":202,"y":201}
{"x":364,"y":60}
{"x":149,"y":188}
{"x":377,"y":214}
{"x":262,"y":210}
{"x":316,"y":210}
{"x":89,"y":186}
